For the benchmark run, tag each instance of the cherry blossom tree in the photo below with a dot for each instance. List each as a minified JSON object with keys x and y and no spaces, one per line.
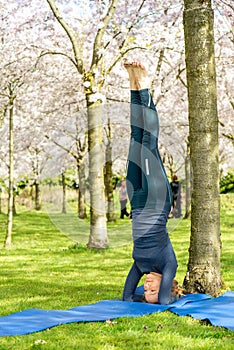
{"x":203,"y":274}
{"x":94,"y":76}
{"x":11,"y":91}
{"x":90,"y":73}
{"x":75,"y":144}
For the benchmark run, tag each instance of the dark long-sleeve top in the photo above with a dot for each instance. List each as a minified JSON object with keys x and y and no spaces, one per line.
{"x":152,"y":252}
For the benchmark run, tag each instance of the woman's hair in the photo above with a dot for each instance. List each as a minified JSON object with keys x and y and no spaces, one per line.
{"x":174,"y":177}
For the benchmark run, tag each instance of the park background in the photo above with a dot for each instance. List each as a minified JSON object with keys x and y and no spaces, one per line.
{"x":44,"y":153}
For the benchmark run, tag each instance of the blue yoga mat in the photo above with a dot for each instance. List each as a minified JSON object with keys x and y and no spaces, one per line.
{"x":219,"y":311}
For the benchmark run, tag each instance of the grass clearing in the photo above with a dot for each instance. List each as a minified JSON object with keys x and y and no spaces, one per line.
{"x":46,"y":268}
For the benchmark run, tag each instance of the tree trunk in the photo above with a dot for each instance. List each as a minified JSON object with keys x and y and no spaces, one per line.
{"x":64,"y":206}
{"x":98,"y":230}
{"x":203,"y":270}
{"x":108,"y":175}
{"x":81,"y":192}
{"x":109,"y":192}
{"x":14,"y":204}
{"x":188,"y":184}
{"x":37,"y":195}
{"x":8,"y":237}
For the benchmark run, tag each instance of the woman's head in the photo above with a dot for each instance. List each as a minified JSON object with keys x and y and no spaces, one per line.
{"x":151,"y":287}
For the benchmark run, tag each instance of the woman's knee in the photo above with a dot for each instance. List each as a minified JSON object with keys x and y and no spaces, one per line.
{"x":151,"y":123}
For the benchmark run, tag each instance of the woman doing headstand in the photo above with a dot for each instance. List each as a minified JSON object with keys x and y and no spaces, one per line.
{"x":150,"y":197}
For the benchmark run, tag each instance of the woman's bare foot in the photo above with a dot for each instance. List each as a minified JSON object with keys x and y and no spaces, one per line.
{"x":137,"y":75}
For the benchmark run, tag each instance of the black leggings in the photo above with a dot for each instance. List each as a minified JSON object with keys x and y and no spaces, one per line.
{"x":147,"y":182}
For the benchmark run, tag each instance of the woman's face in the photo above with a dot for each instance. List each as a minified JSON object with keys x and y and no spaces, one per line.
{"x":151,"y":287}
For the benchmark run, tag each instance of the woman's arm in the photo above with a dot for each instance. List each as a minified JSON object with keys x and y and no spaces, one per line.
{"x":131,"y":283}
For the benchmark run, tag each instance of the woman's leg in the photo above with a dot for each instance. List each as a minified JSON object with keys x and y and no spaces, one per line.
{"x":147,"y":182}
{"x":138,"y":80}
{"x":155,"y":181}
{"x":134,"y":182}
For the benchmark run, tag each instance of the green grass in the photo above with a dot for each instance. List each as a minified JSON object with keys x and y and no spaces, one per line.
{"x":49,"y":267}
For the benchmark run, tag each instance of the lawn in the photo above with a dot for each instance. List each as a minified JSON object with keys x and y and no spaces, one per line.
{"x":49,"y":267}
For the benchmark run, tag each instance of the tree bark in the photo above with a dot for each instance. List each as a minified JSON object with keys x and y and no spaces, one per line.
{"x":203,"y":270}
{"x":37,"y":195}
{"x":14,"y":203}
{"x":108,"y":175}
{"x":188,"y":184}
{"x":64,"y":203}
{"x":81,"y":192}
{"x":8,"y":238}
{"x":98,"y":231}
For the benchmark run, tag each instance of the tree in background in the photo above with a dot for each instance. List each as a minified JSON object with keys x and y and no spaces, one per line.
{"x":64,"y":186}
{"x":78,"y":151}
{"x":12,"y":87}
{"x":108,"y":173}
{"x":98,"y":232}
{"x":29,"y":28}
{"x":109,"y":45}
{"x":203,"y":271}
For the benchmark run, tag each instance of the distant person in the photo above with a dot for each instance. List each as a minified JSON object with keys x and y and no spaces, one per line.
{"x":123,"y":198}
{"x":150,"y":196}
{"x":176,"y":197}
